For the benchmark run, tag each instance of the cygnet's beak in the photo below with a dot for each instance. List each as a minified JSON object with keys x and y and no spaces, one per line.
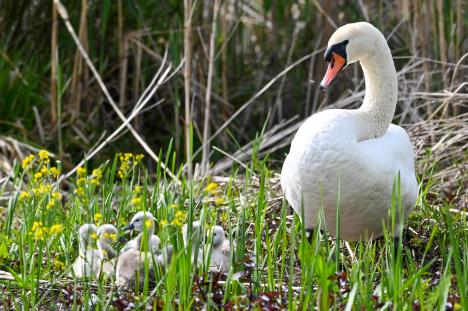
{"x":335,"y":65}
{"x":130,"y":226}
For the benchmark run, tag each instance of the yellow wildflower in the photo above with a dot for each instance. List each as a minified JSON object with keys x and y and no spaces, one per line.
{"x":136,"y":200}
{"x":176,"y":222}
{"x":139,"y":157}
{"x":81,"y":171}
{"x":53,"y":171}
{"x":44,"y":170}
{"x":44,"y":155}
{"x":38,"y":175}
{"x":81,"y":182}
{"x":224,"y":216}
{"x":97,"y":217}
{"x":27,"y":161}
{"x":38,"y":231}
{"x":56,"y":195}
{"x":79,"y":192}
{"x":163,"y":223}
{"x":36,"y":225}
{"x":174,"y":206}
{"x":111,"y":236}
{"x":97,"y":174}
{"x":219,"y":201}
{"x":55,"y":229}
{"x":58,"y":264}
{"x":148,"y":223}
{"x":94,"y":236}
{"x":137,"y":190}
{"x":211,"y":188}
{"x":24,"y":195}
{"x":50,"y":204}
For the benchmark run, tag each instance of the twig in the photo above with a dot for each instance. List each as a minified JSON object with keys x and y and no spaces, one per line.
{"x":187,"y":86}
{"x":64,"y":14}
{"x":206,"y":124}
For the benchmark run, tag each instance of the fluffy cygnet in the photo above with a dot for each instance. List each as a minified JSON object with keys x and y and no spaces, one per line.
{"x":107,"y":234}
{"x":131,"y":263}
{"x":221,"y":251}
{"x":141,"y":222}
{"x":88,"y":262}
{"x":196,"y":238}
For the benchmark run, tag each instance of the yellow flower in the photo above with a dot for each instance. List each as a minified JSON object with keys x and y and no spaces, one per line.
{"x":44,"y":170}
{"x":137,"y":190}
{"x":27,"y":161}
{"x":24,"y":195}
{"x":174,"y":206}
{"x":148,"y":223}
{"x":180,"y":214}
{"x":163,"y":223}
{"x":97,"y":217}
{"x":224,"y":216}
{"x":38,"y":175}
{"x":36,"y":225}
{"x":54,"y":171}
{"x":136,"y":200}
{"x":97,"y":173}
{"x":94,"y":236}
{"x":38,"y":231}
{"x":211,"y":188}
{"x":79,"y":192}
{"x":139,"y":157}
{"x":55,"y":229}
{"x":176,"y":222}
{"x":219,"y":201}
{"x":81,"y":182}
{"x":44,"y":155}
{"x":111,"y":236}
{"x":81,"y":171}
{"x":56,"y":195}
{"x":58,"y":264}
{"x":50,"y":204}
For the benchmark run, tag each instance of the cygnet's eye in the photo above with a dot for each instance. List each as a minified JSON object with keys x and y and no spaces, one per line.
{"x":137,"y":220}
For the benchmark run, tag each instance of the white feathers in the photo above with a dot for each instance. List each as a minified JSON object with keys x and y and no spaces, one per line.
{"x":87,"y":264}
{"x":356,"y":153}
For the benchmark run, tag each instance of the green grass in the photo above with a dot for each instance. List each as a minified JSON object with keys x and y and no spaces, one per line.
{"x":274,"y":266}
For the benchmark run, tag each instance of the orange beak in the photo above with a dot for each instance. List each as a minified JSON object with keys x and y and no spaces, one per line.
{"x":334,"y":67}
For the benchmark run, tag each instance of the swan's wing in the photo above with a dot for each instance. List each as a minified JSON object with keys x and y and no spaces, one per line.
{"x":389,"y":155}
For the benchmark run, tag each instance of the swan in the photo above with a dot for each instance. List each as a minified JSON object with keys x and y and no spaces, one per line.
{"x":195,"y":236}
{"x":357,"y":151}
{"x":88,"y":262}
{"x":138,"y":224}
{"x":107,"y":234}
{"x":220,"y":260}
{"x":131,"y":263}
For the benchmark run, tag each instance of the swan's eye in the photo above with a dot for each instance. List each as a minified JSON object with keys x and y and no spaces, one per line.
{"x":137,"y":220}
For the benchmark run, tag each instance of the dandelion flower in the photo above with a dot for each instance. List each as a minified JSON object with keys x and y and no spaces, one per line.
{"x":97,"y":217}
{"x":56,"y":229}
{"x":44,"y":155}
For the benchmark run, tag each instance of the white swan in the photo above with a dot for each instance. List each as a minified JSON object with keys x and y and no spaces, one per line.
{"x":137,"y":224}
{"x":356,"y":151}
{"x":88,"y":262}
{"x":220,"y":260}
{"x":107,"y":234}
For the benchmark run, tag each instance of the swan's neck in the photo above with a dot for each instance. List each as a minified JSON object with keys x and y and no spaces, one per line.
{"x":144,"y":239}
{"x":106,"y":250}
{"x":380,"y":99}
{"x":85,"y":245}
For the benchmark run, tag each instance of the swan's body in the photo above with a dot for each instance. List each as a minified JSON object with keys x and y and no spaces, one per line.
{"x":356,"y":151}
{"x":140,"y":259}
{"x":220,"y":260}
{"x":88,"y":262}
{"x":155,"y":242}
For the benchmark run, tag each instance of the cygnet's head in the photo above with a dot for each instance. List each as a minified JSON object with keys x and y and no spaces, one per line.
{"x":108,"y":233}
{"x":141,"y":221}
{"x":88,"y":233}
{"x":349,"y":44}
{"x":218,"y":235}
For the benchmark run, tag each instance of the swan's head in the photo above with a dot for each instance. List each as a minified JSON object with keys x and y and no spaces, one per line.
{"x":141,"y":221}
{"x":349,"y":44}
{"x":88,"y":233}
{"x":218,"y":235}
{"x":108,"y":233}
{"x":196,"y":232}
